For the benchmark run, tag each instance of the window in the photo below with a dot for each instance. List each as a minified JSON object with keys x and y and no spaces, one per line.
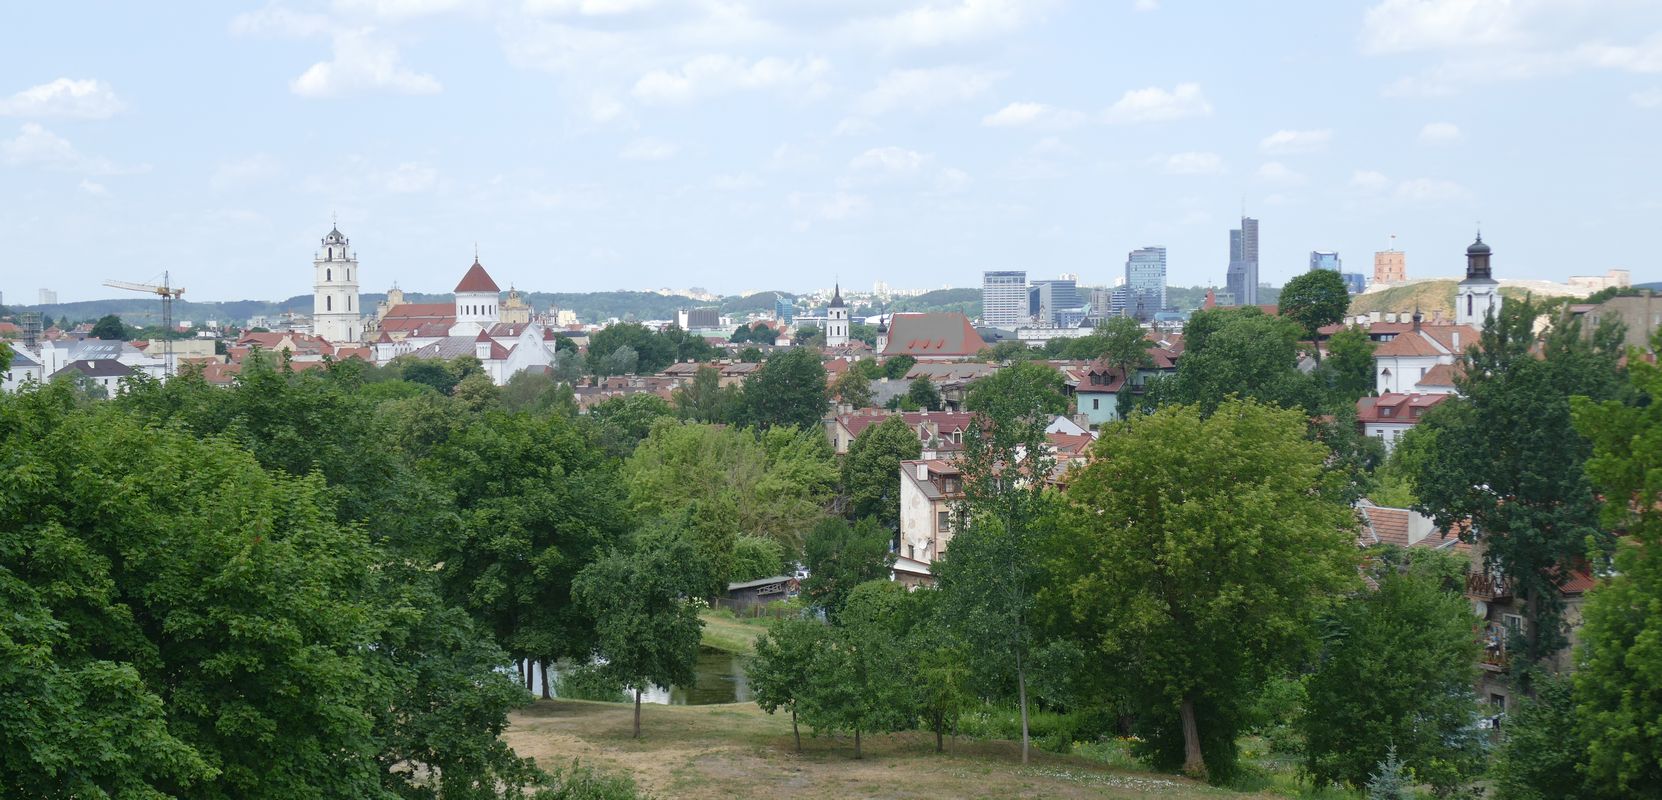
{"x":328,"y":303}
{"x":940,"y":522}
{"x":1514,"y":624}
{"x":1384,"y":412}
{"x":1096,"y":404}
{"x":911,"y":550}
{"x":328,"y":275}
{"x":1469,"y":304}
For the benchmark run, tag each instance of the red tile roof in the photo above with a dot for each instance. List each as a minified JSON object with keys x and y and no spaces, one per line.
{"x":1440,"y":375}
{"x":1396,"y":407}
{"x":410,"y":316}
{"x":1409,"y":344}
{"x":477,"y":280}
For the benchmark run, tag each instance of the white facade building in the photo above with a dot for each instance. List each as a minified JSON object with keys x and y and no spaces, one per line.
{"x":477,"y":297}
{"x":337,"y":314}
{"x":1479,"y":293}
{"x":836,"y":320}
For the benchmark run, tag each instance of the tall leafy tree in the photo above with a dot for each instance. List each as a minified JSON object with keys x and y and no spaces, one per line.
{"x":646,"y":629}
{"x":991,"y":575}
{"x":1316,"y":299}
{"x":871,"y":470}
{"x":110,"y":328}
{"x":1346,"y":375}
{"x":1397,"y":672}
{"x":921,"y":394}
{"x":621,"y":422}
{"x":705,"y":399}
{"x":788,"y":390}
{"x":1544,"y":753}
{"x":840,"y":557}
{"x":1193,"y":531}
{"x":862,"y":682}
{"x":1244,"y":353}
{"x":1508,"y":460}
{"x":653,"y":351}
{"x":853,"y":388}
{"x":896,"y":367}
{"x":782,"y":671}
{"x":1618,"y":687}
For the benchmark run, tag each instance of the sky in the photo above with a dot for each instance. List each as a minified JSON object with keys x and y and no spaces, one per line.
{"x":586,"y":145}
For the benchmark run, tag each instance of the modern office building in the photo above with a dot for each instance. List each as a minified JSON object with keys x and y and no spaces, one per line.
{"x":1322,"y":259}
{"x":48,"y":297}
{"x":1355,"y":282}
{"x":783,"y":310}
{"x":1047,"y":300}
{"x":1242,"y":278}
{"x":1004,"y":299}
{"x":1390,"y":266}
{"x":1145,"y":280}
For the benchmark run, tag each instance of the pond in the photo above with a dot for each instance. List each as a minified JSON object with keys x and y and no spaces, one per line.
{"x":718,"y":677}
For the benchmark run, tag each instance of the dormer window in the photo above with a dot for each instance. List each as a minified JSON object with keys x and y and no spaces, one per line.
{"x":1384,"y":412}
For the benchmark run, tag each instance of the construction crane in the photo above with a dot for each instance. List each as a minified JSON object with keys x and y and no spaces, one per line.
{"x":168,"y":293}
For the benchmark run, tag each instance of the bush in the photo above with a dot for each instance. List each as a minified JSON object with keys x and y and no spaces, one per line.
{"x":1276,"y":714}
{"x":578,"y":782}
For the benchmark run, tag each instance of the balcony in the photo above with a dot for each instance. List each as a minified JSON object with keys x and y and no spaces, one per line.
{"x":1495,"y":656}
{"x":1486,"y":586}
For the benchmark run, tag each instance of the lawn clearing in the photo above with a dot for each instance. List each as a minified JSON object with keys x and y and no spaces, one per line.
{"x":735,"y":752}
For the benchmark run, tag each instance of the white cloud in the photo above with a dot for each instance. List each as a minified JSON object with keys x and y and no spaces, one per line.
{"x":1277,"y":172}
{"x":649,"y":149}
{"x":409,"y":178}
{"x":893,"y":160}
{"x":1396,"y":26}
{"x":1146,"y":5}
{"x":36,"y":146}
{"x":717,"y":74}
{"x":604,"y":108}
{"x":64,"y":97}
{"x":941,"y":22}
{"x":951,"y":181}
{"x":1193,"y":163}
{"x":246,"y":170}
{"x":1287,"y":142}
{"x":1430,"y":190}
{"x":1032,"y":114}
{"x":94,"y":189}
{"x":588,"y":8}
{"x":925,"y":88}
{"x":1439,"y":133}
{"x":400,"y":9}
{"x":276,"y":20}
{"x":1649,"y":98}
{"x":1370,"y":181}
{"x":362,"y":62}
{"x":1155,"y":104}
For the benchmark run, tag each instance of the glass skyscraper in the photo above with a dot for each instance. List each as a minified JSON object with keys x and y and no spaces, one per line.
{"x":1145,"y":281}
{"x":1242,"y":278}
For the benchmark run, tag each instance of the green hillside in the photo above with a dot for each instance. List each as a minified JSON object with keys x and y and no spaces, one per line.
{"x":1430,"y":297}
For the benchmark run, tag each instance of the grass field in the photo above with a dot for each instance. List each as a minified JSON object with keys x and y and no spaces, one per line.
{"x":723,"y":631}
{"x":736,"y":752}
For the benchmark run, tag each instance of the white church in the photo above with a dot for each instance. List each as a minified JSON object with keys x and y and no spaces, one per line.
{"x":472,"y":325}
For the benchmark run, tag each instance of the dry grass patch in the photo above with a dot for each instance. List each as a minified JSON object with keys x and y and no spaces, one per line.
{"x":735,"y":752}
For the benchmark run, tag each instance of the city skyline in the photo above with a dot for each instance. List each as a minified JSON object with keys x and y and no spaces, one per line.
{"x":589,"y":146}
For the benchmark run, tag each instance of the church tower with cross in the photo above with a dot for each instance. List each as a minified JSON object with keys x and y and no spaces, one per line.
{"x":1479,"y":294}
{"x":336,"y":315}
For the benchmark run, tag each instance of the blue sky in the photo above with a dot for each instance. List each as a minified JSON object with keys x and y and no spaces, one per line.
{"x":748,"y":144}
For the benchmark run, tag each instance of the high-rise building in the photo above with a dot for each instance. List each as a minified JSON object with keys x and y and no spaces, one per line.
{"x":1145,"y":280}
{"x":1355,"y":282}
{"x":1047,"y":299}
{"x":1004,"y":298}
{"x":1242,"y":278}
{"x":1323,"y":259}
{"x":783,"y":310}
{"x":1390,"y":266}
{"x":48,"y":297}
{"x":336,"y":315}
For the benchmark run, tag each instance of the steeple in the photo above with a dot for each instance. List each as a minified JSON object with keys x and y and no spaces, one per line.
{"x":837,"y":296}
{"x":1477,"y":260}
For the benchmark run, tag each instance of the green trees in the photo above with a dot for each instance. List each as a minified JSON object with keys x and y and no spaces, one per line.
{"x":853,"y":388}
{"x":646,"y":630}
{"x":1237,"y":352}
{"x":1346,"y":375}
{"x":1618,"y":688}
{"x":706,"y":400}
{"x":862,"y":680}
{"x":896,"y":367}
{"x":1544,"y":753}
{"x":1397,"y":674}
{"x":840,"y":557}
{"x":1313,"y":300}
{"x":870,"y":470}
{"x":652,"y":351}
{"x":1508,"y":459}
{"x":788,"y":389}
{"x":992,"y":574}
{"x":230,"y":637}
{"x":782,"y":671}
{"x":110,"y":328}
{"x":1194,"y":530}
{"x":921,"y":394}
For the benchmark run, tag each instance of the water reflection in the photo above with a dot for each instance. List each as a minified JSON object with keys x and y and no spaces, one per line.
{"x":718,"y":677}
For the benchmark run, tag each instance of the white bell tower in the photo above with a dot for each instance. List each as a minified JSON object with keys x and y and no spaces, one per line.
{"x":1478,"y":296}
{"x":336,"y":315}
{"x":836,"y":320}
